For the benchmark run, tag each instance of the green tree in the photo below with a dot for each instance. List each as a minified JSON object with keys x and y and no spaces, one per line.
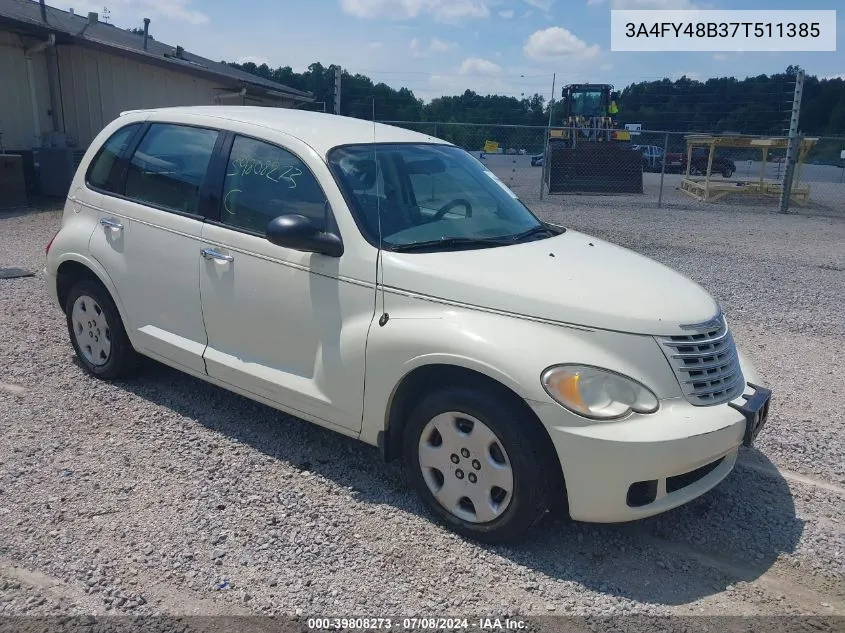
{"x":754,"y":105}
{"x":138,"y":31}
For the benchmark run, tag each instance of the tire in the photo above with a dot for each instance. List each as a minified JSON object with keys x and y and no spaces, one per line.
{"x":727,"y":172}
{"x":516,"y":456}
{"x":97,"y":333}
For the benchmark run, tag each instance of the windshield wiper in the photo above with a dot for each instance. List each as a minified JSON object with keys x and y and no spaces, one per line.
{"x":532,"y":231}
{"x":449,"y":242}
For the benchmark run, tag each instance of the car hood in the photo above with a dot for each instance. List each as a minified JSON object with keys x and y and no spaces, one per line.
{"x":572,"y":278}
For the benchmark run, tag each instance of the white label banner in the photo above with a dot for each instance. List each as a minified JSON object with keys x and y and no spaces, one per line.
{"x":722,"y":31}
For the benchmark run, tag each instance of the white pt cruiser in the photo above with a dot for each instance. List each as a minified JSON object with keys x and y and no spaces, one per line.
{"x":386,"y":285}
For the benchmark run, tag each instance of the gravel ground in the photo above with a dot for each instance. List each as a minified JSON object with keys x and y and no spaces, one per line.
{"x":167,"y":495}
{"x":827,"y":198}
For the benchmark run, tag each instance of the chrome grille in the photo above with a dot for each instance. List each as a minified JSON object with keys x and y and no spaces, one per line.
{"x":705,"y":363}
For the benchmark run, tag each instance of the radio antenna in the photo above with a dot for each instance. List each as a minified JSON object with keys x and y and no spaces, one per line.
{"x":379,"y":259}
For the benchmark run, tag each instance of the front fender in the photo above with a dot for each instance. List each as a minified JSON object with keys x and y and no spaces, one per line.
{"x":510,"y":350}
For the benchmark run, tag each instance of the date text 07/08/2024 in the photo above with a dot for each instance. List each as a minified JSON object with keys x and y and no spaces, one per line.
{"x":421,"y":623}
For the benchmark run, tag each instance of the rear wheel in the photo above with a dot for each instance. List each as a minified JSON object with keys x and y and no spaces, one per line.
{"x":727,"y":172}
{"x":477,"y":464}
{"x":97,"y":333}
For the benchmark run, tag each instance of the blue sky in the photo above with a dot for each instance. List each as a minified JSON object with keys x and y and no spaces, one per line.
{"x":439,"y":47}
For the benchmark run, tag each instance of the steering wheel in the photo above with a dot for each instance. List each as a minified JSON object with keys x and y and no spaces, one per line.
{"x":457,"y":202}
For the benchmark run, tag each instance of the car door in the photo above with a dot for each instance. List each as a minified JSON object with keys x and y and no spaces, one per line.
{"x":149,"y":237}
{"x":282,"y":324}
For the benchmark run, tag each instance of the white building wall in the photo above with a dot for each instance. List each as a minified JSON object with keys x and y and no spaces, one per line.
{"x":97,"y":86}
{"x":16,"y":112}
{"x":91,"y":88}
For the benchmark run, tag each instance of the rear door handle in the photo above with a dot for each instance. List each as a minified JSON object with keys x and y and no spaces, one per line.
{"x":111,"y":224}
{"x":210,"y":253}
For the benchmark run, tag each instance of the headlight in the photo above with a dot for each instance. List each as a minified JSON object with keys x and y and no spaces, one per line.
{"x":597,"y":393}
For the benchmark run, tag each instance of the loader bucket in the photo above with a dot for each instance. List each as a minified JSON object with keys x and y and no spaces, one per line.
{"x":594,"y":168}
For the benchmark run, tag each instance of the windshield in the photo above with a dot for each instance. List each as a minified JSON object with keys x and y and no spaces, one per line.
{"x":587,"y":103}
{"x":429,"y":193}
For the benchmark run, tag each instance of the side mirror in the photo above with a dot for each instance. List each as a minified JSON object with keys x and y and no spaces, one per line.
{"x":299,"y":233}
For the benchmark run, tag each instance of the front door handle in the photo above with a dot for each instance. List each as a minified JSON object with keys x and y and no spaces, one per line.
{"x":210,"y":253}
{"x":111,"y":224}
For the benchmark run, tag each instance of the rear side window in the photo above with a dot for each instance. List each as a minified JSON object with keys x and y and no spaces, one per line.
{"x":169,"y":167}
{"x":264,"y":181}
{"x":100,"y":171}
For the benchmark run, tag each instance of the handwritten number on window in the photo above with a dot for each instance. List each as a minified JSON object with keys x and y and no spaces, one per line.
{"x":250,"y":166}
{"x":227,"y":199}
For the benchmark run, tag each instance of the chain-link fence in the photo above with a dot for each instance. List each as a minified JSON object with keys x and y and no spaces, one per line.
{"x":653,"y":168}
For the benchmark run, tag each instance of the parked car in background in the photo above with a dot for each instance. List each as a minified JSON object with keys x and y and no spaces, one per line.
{"x":514,"y":365}
{"x":676,"y":162}
{"x":721,"y":165}
{"x":652,"y":156}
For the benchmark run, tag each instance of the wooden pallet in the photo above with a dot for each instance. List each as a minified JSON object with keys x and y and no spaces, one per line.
{"x":711,"y":190}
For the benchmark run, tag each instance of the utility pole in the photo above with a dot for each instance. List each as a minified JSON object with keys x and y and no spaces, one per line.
{"x":546,"y":140}
{"x":663,"y":169}
{"x":794,"y":140}
{"x":337,"y":73}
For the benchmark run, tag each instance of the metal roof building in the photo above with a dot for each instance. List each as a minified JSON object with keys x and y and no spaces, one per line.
{"x":63,"y":77}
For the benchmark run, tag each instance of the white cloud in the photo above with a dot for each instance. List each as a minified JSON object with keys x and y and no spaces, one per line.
{"x":435,"y":46}
{"x":460,"y":9}
{"x":254,"y":59}
{"x":647,"y":4}
{"x":511,"y":80}
{"x":507,"y":15}
{"x":829,"y":77}
{"x":443,"y":10}
{"x":557,"y":41}
{"x":439,"y":46}
{"x":131,"y":11}
{"x":479,"y":66}
{"x":543,"y":5}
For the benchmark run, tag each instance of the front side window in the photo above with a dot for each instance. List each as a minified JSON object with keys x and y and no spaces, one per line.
{"x":264,"y":181}
{"x":100,"y":171}
{"x":169,"y":167}
{"x":418,"y":194}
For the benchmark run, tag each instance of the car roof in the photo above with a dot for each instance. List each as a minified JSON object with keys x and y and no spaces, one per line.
{"x":320,"y":130}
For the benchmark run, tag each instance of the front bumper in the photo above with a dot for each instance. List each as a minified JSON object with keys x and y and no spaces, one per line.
{"x":645,"y":464}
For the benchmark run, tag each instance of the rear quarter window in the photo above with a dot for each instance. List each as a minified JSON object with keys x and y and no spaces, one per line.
{"x":101,"y":170}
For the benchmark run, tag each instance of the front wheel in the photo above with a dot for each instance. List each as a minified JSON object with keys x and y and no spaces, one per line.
{"x":478,"y":464}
